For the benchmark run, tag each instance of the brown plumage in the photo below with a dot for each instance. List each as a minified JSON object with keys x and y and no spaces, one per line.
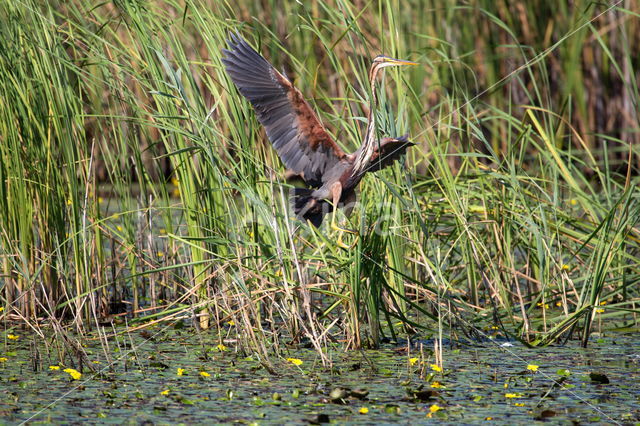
{"x":301,"y":141}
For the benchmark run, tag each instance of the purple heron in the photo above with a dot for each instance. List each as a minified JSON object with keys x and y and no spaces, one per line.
{"x":302,"y":142}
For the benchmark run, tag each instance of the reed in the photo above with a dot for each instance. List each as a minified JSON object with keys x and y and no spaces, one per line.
{"x":131,"y":169}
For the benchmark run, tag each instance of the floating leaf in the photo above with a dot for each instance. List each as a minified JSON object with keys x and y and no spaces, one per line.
{"x":359,"y":393}
{"x":319,"y":419}
{"x":338,"y":395}
{"x":391,"y":409}
{"x":544,"y":414}
{"x":421,"y":394}
{"x":599,"y":378}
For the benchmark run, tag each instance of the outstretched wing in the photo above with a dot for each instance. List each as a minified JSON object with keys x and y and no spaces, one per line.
{"x":390,"y":150}
{"x":302,"y":143}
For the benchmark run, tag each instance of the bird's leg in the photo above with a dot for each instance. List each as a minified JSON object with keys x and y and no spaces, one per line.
{"x":336,"y":192}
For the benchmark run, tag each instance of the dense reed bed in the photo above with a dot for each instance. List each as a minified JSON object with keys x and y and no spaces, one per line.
{"x":134,"y":178}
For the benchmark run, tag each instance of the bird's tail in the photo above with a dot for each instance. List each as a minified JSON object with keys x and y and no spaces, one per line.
{"x":308,"y":208}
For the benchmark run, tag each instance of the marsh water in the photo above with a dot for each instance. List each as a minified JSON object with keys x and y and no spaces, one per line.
{"x":179,"y":376}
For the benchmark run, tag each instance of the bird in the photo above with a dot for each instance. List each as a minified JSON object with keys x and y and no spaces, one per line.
{"x":303,"y":144}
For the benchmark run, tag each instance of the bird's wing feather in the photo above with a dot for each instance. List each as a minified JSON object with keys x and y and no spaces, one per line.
{"x":390,"y":150}
{"x":302,"y":143}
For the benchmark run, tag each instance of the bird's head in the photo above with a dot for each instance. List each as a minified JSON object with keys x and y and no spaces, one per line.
{"x":382,"y":61}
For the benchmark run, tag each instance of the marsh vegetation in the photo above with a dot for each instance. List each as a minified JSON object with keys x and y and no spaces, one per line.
{"x":138,"y":190}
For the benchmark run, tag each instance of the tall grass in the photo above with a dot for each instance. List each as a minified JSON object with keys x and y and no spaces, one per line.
{"x":516,"y":209}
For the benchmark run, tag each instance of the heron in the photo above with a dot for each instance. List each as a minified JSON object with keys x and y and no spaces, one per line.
{"x":302,"y":142}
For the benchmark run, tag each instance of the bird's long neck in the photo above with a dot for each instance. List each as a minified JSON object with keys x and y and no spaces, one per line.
{"x":364,"y":153}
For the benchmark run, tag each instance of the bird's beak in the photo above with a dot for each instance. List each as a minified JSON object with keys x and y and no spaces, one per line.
{"x":394,"y":61}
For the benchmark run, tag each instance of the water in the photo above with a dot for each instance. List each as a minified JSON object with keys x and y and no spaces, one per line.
{"x":478,"y":383}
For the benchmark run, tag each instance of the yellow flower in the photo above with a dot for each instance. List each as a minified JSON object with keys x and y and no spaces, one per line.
{"x":1,"y":309}
{"x":519,"y":404}
{"x":96,"y":362}
{"x":604,"y":302}
{"x":436,"y":385}
{"x":54,"y":367}
{"x":12,"y":337}
{"x":513,"y":395}
{"x":532,"y":367}
{"x":294,"y":361}
{"x":488,"y":418}
{"x":181,"y":371}
{"x":163,"y":231}
{"x":573,"y":202}
{"x":231,"y":323}
{"x":413,"y":361}
{"x":75,"y":374}
{"x":599,"y":311}
{"x":119,"y":228}
{"x":3,"y":359}
{"x":433,"y":409}
{"x":436,"y":368}
{"x":100,"y":200}
{"x":69,"y":202}
{"x":165,"y":392}
{"x":363,"y":410}
{"x":160,"y":254}
{"x":565,"y":267}
{"x":205,"y":374}
{"x":221,"y":347}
